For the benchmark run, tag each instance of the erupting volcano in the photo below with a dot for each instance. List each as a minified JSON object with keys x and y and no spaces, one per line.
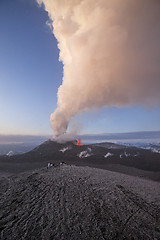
{"x":79,"y":142}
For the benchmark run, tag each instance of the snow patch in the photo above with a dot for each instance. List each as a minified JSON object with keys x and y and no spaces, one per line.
{"x":89,"y":149}
{"x":124,"y":155}
{"x":136,"y":155}
{"x":127,"y":154}
{"x":10,"y":153}
{"x":86,"y":153}
{"x":108,"y":155}
{"x":154,"y":150}
{"x":65,"y":149}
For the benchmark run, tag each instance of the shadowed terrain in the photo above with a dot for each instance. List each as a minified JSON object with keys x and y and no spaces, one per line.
{"x":69,"y":202}
{"x":76,"y":199}
{"x":129,"y":160}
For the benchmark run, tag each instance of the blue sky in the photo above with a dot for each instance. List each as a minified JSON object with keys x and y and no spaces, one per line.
{"x":30,"y":74}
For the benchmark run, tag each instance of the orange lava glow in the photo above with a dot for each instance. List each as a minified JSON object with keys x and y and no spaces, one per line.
{"x":79,"y":142}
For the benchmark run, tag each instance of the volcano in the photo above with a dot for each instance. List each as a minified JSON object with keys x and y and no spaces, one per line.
{"x":114,"y":157}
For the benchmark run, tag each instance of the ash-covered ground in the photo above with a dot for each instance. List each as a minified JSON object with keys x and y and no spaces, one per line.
{"x":80,"y":199}
{"x":68,"y":202}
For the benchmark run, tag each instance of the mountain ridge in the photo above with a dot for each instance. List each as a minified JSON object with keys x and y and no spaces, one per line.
{"x":101,"y":155}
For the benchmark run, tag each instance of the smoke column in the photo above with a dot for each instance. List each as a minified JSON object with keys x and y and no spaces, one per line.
{"x":110,"y":51}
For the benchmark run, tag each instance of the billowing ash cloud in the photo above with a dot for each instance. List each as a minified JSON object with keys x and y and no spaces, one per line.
{"x":110,"y":51}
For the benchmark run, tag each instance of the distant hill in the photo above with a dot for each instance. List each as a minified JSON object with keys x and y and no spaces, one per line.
{"x":130,"y":160}
{"x":154,"y":135}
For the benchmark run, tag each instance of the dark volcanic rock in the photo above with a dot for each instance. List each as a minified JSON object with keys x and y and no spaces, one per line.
{"x":68,"y":203}
{"x":104,"y":155}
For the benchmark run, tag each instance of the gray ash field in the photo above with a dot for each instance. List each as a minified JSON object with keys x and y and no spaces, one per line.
{"x":68,"y":202}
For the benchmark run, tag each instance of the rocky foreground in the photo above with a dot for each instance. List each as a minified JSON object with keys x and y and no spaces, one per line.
{"x":68,"y":202}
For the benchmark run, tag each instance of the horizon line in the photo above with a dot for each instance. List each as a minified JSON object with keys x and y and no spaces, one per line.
{"x":80,"y":134}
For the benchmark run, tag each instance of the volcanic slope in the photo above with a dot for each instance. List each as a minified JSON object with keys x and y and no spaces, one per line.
{"x":70,"y":202}
{"x":129,"y":160}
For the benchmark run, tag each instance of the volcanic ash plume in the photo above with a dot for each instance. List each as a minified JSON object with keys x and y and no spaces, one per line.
{"x":110,"y":52}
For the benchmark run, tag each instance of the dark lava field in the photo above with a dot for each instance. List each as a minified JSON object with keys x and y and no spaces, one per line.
{"x":129,"y":160}
{"x":100,"y":191}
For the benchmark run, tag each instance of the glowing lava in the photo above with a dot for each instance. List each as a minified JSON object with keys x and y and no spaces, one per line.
{"x":79,"y":142}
